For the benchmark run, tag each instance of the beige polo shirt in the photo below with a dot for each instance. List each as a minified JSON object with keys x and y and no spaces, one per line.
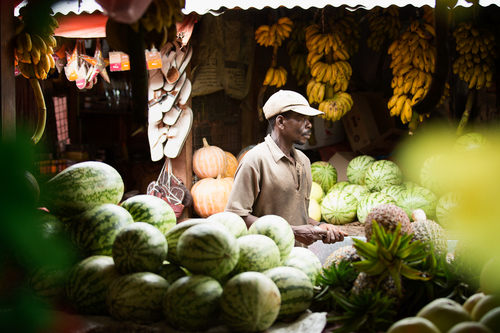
{"x":267,"y":182}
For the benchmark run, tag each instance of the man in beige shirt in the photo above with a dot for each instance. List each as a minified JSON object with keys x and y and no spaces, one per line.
{"x":275,"y":178}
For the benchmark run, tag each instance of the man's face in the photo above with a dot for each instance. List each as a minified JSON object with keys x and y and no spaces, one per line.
{"x":297,"y":128}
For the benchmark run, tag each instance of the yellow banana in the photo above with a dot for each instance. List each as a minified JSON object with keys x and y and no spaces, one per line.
{"x":392,"y":101}
{"x":309,"y":86}
{"x":399,"y":103}
{"x":322,"y":71}
{"x":314,"y":93}
{"x":316,"y":68}
{"x":335,"y":73}
{"x":321,"y":93}
{"x":328,"y":75}
{"x":404,"y":69}
{"x":418,"y":96}
{"x":19,"y":44}
{"x":430,"y":29}
{"x":472,"y":81}
{"x":269,"y":76}
{"x":38,"y":43}
{"x":481,"y":80}
{"x":394,"y":45}
{"x":406,"y":113}
{"x":27,"y":42}
{"x":407,"y":86}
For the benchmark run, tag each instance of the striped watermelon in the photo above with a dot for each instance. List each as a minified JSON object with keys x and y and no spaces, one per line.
{"x":81,"y":187}
{"x":381,"y":174}
{"x":250,"y":302}
{"x":151,"y":209}
{"x":431,"y":172}
{"x":371,"y":201}
{"x":87,"y":284}
{"x":296,"y":290}
{"x":137,"y":297}
{"x":356,"y":169}
{"x":359,"y":191}
{"x":324,"y":174}
{"x":139,"y":247}
{"x":305,"y":260}
{"x":173,"y":235}
{"x":171,"y":272}
{"x":471,"y":142}
{"x":418,"y":197}
{"x":232,"y":221}
{"x":47,"y":282}
{"x":276,"y":228}
{"x":192,"y":303}
{"x":208,"y":249}
{"x":50,"y":225}
{"x":393,"y":190}
{"x":257,"y":253}
{"x":94,"y":232}
{"x":339,"y":207}
{"x":338,"y":187}
{"x":446,"y":208}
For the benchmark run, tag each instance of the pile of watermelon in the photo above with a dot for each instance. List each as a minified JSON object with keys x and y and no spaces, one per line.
{"x":373,"y":182}
{"x":134,"y":263}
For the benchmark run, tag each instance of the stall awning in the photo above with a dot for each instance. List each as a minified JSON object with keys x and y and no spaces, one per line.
{"x":86,"y":18}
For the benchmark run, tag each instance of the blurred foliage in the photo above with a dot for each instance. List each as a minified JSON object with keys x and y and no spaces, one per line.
{"x":23,"y":244}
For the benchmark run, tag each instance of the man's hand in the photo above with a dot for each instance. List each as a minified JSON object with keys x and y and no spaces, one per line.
{"x":328,"y":233}
{"x":333,"y":233}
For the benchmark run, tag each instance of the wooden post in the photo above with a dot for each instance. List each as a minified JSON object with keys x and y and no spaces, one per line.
{"x":7,"y":79}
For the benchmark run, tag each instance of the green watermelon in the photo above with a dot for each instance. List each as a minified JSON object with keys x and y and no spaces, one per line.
{"x":81,"y":187}
{"x":356,"y":169}
{"x":446,"y":208}
{"x":296,"y":290}
{"x":94,"y":232}
{"x":257,"y":253}
{"x":430,"y":174}
{"x":324,"y":174}
{"x":192,"y":303}
{"x":305,"y":260}
{"x":276,"y":228}
{"x":171,"y":272}
{"x":151,"y":209}
{"x":173,"y":235}
{"x":47,"y":282}
{"x":137,"y":297}
{"x":208,"y":249}
{"x":232,"y":221}
{"x":339,"y":207}
{"x":51,"y":226}
{"x":381,"y":174}
{"x":139,"y":247}
{"x":87,"y":284}
{"x":471,"y":142}
{"x":250,"y":302}
{"x":393,"y":190}
{"x":418,"y":197}
{"x":359,"y":191}
{"x":338,"y":187}
{"x":371,"y":201}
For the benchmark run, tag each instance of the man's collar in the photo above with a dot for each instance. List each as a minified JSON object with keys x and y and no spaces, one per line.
{"x":276,"y":152}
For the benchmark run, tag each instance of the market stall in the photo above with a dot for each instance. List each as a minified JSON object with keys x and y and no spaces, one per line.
{"x":141,"y":113}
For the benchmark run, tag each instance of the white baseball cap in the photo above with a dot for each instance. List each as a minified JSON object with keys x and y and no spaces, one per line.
{"x":287,"y":100}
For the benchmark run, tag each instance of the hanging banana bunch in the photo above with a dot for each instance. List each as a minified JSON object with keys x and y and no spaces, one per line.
{"x":476,"y":62}
{"x":330,"y":70}
{"x":428,"y":14}
{"x":274,"y":36}
{"x":413,"y":62}
{"x":384,"y":24}
{"x":298,"y":53}
{"x":159,"y":22}
{"x":34,"y":45}
{"x":345,"y":23}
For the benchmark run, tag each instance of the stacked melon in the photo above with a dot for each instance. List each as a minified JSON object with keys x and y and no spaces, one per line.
{"x":135,"y":265}
{"x":215,"y":170}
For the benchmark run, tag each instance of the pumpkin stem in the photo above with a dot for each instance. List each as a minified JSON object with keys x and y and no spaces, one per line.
{"x":219,"y":176}
{"x":205,"y":142}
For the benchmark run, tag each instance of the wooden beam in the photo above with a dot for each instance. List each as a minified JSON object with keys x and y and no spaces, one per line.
{"x":7,"y":83}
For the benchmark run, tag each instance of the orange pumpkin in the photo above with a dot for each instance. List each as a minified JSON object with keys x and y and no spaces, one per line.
{"x":232,"y":164}
{"x":243,"y":152}
{"x":209,"y":161}
{"x":210,"y":195}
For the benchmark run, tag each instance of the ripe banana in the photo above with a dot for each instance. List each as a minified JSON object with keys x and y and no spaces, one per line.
{"x":269,"y":76}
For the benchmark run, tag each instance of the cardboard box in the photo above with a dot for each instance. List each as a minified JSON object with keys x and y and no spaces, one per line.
{"x":340,"y":161}
{"x":369,"y":127}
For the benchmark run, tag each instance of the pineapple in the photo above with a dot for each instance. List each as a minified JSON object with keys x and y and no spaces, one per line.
{"x":388,"y":216}
{"x":425,"y":230}
{"x":345,"y":253}
{"x":365,"y":281}
{"x":390,"y":253}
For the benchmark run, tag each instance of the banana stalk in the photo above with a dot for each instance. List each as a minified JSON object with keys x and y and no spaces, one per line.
{"x":42,"y":111}
{"x":466,"y":114}
{"x":412,"y":126}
